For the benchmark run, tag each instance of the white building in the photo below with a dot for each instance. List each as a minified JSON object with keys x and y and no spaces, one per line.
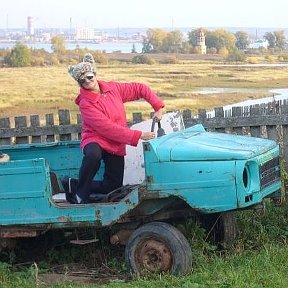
{"x":85,"y":34}
{"x":261,"y":43}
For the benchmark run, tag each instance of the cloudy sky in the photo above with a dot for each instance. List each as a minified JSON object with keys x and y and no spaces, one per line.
{"x":145,"y":13}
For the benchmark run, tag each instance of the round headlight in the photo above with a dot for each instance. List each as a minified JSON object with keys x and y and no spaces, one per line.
{"x":245,"y":177}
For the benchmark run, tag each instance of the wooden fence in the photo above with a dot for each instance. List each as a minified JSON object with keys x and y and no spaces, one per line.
{"x":266,"y":121}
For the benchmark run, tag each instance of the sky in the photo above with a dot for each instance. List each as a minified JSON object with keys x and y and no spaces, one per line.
{"x":144,"y":14}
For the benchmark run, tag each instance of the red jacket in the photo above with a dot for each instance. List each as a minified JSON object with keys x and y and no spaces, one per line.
{"x":104,"y":117}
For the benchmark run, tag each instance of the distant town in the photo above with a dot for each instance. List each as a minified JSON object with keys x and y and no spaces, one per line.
{"x":30,"y":34}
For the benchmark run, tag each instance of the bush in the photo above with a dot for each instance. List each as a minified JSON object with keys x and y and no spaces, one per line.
{"x":236,"y":56}
{"x":223,"y":51}
{"x":283,"y":57}
{"x":143,"y":59}
{"x":170,"y":60}
{"x":100,"y":57}
{"x":252,"y":60}
{"x":269,"y":59}
{"x":212,"y":50}
{"x":38,"y":61}
{"x":54,"y":60}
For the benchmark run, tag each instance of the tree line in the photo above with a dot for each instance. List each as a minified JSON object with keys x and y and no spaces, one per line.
{"x":158,"y":40}
{"x":233,"y":46}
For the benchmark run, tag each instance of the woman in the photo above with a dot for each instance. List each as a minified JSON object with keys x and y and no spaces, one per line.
{"x":104,"y":129}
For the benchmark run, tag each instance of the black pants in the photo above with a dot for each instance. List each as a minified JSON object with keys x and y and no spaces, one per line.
{"x":113,"y":174}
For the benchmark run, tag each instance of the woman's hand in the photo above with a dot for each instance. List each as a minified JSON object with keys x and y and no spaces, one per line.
{"x":147,"y":135}
{"x":158,"y":115}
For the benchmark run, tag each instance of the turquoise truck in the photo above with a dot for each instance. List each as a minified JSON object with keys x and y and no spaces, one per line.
{"x":188,"y":172}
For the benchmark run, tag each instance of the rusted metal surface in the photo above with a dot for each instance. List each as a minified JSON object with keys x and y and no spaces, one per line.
{"x":15,"y":233}
{"x":153,"y":255}
{"x":121,"y":237}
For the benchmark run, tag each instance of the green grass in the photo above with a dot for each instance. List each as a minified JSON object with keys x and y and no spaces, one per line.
{"x":258,"y":259}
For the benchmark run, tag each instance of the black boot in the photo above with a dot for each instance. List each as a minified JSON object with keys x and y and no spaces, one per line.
{"x":70,"y":185}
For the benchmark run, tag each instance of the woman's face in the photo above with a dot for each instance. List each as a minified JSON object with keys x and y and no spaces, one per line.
{"x":89,"y":81}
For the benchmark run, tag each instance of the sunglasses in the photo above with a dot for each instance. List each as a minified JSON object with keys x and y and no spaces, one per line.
{"x":83,"y":80}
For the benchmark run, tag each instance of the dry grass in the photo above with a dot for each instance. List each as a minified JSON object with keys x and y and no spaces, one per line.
{"x":26,"y":91}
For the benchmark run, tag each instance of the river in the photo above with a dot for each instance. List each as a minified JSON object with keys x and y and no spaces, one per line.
{"x":278,"y":95}
{"x":108,"y":47}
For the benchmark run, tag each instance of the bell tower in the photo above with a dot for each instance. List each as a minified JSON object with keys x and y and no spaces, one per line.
{"x":201,"y":42}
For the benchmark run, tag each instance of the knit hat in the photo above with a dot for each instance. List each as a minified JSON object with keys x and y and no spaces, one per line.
{"x":81,"y":69}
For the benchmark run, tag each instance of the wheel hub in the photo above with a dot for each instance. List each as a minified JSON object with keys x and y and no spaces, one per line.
{"x":154,"y":255}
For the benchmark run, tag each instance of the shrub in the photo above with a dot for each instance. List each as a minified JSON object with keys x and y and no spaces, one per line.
{"x":170,"y":60}
{"x":236,"y":56}
{"x":223,"y":51}
{"x":143,"y":59}
{"x":38,"y":61}
{"x":100,"y":57}
{"x":283,"y":57}
{"x":212,"y":50}
{"x":269,"y":59}
{"x":252,"y":60}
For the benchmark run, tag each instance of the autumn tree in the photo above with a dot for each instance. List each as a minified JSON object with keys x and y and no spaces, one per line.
{"x":220,"y":38}
{"x":270,"y":37}
{"x":242,"y":40}
{"x":58,"y":45}
{"x":20,"y":56}
{"x":153,"y":42}
{"x":280,"y":39}
{"x":172,"y":43}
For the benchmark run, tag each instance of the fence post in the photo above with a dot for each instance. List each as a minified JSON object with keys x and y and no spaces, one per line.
{"x":137,"y":117}
{"x":272,"y":129}
{"x":21,"y":122}
{"x":35,"y":123}
{"x":64,"y":119}
{"x":255,"y":131}
{"x":187,"y":118}
{"x":5,"y":124}
{"x":219,"y":114}
{"x":237,"y":112}
{"x":49,"y":123}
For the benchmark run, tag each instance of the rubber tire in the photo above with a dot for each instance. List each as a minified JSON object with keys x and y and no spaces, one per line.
{"x":170,"y":237}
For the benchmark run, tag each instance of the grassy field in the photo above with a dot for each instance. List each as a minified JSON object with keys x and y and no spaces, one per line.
{"x":41,"y":90}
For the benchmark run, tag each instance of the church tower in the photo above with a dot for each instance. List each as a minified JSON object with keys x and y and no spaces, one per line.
{"x":201,"y":42}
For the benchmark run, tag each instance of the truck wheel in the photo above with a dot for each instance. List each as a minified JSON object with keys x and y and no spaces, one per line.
{"x":158,"y":247}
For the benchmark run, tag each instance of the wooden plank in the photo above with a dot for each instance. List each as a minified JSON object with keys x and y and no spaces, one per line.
{"x":219,"y":114}
{"x":43,"y":130}
{"x":21,"y":124}
{"x":35,"y":123}
{"x":64,"y":119}
{"x":255,"y":130}
{"x":272,"y":133}
{"x":79,"y":123}
{"x":237,"y":112}
{"x":50,"y":137}
{"x":5,"y":124}
{"x":137,"y":117}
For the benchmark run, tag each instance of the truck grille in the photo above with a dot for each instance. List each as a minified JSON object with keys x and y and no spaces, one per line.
{"x":270,"y":172}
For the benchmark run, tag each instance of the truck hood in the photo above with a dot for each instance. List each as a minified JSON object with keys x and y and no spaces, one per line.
{"x":195,"y":144}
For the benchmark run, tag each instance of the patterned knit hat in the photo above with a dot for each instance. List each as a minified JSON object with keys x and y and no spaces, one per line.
{"x":81,"y":69}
